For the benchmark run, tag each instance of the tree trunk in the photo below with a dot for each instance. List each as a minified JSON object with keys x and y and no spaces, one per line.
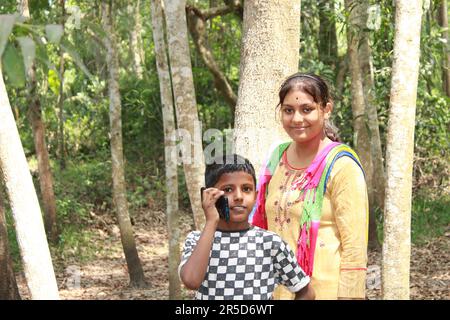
{"x":378,"y":176}
{"x":362,"y":140}
{"x":443,"y":22}
{"x":269,"y":54}
{"x":25,"y":206}
{"x":400,"y":149}
{"x":8,"y":284}
{"x":45,"y":174}
{"x":185,"y":103}
{"x":61,"y":142}
{"x":328,"y":52}
{"x":135,"y":38}
{"x":118,"y":176}
{"x":38,"y":128}
{"x":165,"y":87}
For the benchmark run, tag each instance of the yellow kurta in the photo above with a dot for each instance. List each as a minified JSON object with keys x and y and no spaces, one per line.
{"x":340,"y":258}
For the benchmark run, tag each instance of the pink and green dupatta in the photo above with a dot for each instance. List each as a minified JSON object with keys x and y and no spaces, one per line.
{"x":312,"y":186}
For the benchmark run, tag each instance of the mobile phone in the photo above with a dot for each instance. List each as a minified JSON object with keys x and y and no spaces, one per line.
{"x":221,"y":205}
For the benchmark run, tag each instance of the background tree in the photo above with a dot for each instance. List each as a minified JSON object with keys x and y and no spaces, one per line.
{"x":399,"y":150}
{"x":185,"y":103}
{"x":34,"y":114}
{"x":119,"y":190}
{"x":165,"y":86}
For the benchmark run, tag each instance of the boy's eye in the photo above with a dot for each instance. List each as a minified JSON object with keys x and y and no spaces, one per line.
{"x":247,"y":189}
{"x":227,"y":189}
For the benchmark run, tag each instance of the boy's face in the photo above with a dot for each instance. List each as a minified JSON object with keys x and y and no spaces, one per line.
{"x":240,"y":190}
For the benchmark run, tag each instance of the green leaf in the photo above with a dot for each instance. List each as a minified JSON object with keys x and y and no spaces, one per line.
{"x":28,"y":51}
{"x":13,"y":66}
{"x":71,"y":50}
{"x":6,"y":25}
{"x":54,"y":32}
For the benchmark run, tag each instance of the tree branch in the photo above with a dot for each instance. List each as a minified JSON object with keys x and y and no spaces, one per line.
{"x":196,"y":25}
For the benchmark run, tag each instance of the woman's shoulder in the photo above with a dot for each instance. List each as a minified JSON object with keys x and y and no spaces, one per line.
{"x":345,"y":168}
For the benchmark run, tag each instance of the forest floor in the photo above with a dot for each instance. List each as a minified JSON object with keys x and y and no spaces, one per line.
{"x":105,"y":277}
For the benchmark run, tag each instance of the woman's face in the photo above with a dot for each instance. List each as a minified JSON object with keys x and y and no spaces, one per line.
{"x":302,"y":118}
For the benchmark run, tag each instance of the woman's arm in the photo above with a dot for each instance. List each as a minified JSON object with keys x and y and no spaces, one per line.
{"x":350,"y":206}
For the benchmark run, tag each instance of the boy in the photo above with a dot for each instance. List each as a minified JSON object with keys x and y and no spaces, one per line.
{"x":230,"y":259}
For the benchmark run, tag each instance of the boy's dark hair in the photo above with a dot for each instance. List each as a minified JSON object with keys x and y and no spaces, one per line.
{"x":227,"y":164}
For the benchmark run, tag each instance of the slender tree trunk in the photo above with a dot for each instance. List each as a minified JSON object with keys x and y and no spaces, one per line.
{"x":119,"y":190}
{"x":8,"y":284}
{"x":38,"y":128}
{"x":269,"y":53}
{"x":25,"y":206}
{"x":165,"y":87}
{"x":443,"y":22}
{"x":45,"y":174}
{"x":400,"y":149}
{"x":135,"y":38}
{"x":378,"y":176}
{"x":185,"y":103}
{"x":61,"y":142}
{"x":328,"y":52}
{"x":362,"y":138}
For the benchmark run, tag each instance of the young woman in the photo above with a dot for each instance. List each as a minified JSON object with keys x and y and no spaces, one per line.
{"x":312,"y":192}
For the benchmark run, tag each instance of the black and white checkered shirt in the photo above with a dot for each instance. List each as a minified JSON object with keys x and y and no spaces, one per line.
{"x":246,"y":265}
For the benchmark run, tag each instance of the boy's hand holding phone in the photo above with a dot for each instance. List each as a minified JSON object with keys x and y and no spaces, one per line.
{"x":215,"y":204}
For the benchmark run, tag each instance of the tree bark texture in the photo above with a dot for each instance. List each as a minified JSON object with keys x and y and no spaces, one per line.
{"x":185,"y":103}
{"x":269,"y":54}
{"x":25,"y":208}
{"x":8,"y":284}
{"x":399,"y":151}
{"x":118,"y":175}
{"x":165,"y":87}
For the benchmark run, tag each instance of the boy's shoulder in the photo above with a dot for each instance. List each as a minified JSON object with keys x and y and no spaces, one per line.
{"x":266,"y":234}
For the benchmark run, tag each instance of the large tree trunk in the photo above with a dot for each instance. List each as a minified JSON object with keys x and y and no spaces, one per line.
{"x":269,"y":53}
{"x":185,"y":103}
{"x":400,"y":149}
{"x":362,"y":139}
{"x":378,"y":177}
{"x":165,"y":87}
{"x":38,"y":128}
{"x":8,"y":284}
{"x":25,"y":206}
{"x":443,"y":22}
{"x":136,"y":51}
{"x":118,"y":175}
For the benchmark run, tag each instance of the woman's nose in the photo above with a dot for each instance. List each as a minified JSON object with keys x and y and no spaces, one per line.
{"x":297,"y":117}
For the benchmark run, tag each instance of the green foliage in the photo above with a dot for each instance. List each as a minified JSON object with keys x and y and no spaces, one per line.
{"x":430,"y":218}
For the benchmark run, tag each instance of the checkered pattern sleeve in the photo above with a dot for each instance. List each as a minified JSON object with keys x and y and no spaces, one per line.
{"x":287,"y":270}
{"x":189,"y":245}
